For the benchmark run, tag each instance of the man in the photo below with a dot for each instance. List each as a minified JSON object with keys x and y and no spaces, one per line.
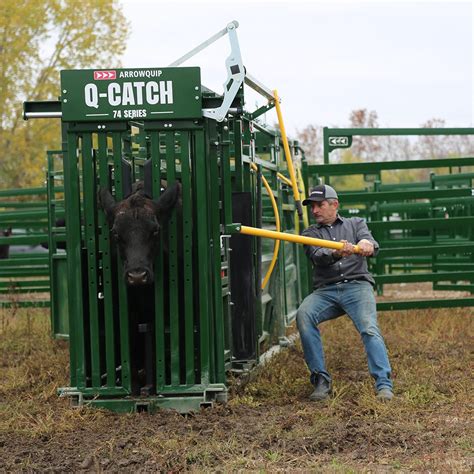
{"x":342,"y":285}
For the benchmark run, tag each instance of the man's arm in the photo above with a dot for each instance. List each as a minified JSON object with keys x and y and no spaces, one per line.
{"x":367,"y":244}
{"x":319,"y":255}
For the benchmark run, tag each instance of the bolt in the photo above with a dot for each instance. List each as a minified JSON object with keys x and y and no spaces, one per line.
{"x":65,"y":100}
{"x":196,"y":97}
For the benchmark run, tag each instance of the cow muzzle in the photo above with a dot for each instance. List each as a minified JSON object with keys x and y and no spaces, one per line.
{"x":138,"y":277}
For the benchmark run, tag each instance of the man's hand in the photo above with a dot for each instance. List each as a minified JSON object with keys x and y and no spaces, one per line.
{"x":345,"y":251}
{"x":366,"y":248}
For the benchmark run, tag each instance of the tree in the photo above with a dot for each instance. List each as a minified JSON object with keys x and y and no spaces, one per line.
{"x":311,"y":140}
{"x":443,"y":146}
{"x":365,"y":147}
{"x":37,"y":40}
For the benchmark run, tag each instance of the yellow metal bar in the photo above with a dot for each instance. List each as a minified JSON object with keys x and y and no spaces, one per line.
{"x":296,"y":193}
{"x":299,"y":239}
{"x":283,"y":178}
{"x":276,"y":248}
{"x":303,"y":190}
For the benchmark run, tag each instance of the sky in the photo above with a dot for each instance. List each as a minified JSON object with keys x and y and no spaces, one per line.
{"x":410,"y":61}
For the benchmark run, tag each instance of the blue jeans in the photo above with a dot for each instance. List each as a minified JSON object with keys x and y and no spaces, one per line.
{"x":356,"y":299}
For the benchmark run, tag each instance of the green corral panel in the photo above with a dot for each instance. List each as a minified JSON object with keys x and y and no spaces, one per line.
{"x":425,"y":228}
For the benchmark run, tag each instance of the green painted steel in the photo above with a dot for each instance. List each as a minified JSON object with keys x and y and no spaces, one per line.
{"x":424,"y":228}
{"x":130,"y":94}
{"x":24,"y":275}
{"x":194,"y":324}
{"x":57,"y":237}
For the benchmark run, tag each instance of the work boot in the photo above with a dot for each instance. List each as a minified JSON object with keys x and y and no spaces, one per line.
{"x":322,"y":389}
{"x":384,"y":395}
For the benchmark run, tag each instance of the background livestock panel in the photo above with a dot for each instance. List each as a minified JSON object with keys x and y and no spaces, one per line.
{"x":419,"y":210}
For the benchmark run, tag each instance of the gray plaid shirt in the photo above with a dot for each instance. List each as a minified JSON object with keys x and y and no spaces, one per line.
{"x":329,"y":269}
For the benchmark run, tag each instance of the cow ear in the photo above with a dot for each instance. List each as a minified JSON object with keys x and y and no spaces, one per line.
{"x":167,"y":201}
{"x":107,"y":203}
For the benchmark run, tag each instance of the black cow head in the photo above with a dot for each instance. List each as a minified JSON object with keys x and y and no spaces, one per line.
{"x":135,"y":224}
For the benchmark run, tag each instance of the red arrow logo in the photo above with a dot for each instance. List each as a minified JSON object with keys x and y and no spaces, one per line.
{"x":104,"y":75}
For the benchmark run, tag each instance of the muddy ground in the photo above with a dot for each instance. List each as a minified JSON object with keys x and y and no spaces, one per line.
{"x":268,"y":424}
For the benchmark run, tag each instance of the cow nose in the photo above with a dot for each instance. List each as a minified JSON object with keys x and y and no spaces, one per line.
{"x":138,"y":277}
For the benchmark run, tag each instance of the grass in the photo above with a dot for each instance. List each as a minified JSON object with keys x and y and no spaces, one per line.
{"x":269,"y":424}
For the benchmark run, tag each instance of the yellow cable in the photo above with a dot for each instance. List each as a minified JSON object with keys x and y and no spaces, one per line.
{"x":303,"y":191}
{"x":296,"y":193}
{"x":276,"y":248}
{"x":283,"y":178}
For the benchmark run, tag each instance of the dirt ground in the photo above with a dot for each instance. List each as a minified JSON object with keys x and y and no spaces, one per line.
{"x":417,"y":291}
{"x":268,"y":424}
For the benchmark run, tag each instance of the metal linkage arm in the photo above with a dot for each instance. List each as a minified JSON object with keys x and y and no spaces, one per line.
{"x":235,"y":77}
{"x":236,"y":73}
{"x":259,"y":87}
{"x":232,"y":25}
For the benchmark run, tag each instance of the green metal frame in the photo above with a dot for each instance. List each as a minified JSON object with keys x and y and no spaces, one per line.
{"x":24,"y":277}
{"x":194,"y":339}
{"x":410,"y":220}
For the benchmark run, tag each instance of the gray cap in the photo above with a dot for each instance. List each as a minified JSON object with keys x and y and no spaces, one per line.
{"x":320,"y":193}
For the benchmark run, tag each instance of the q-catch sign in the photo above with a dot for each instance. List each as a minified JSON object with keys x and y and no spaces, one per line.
{"x":101,"y":95}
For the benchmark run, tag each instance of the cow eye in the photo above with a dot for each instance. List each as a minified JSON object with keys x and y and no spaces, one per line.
{"x":115,"y":234}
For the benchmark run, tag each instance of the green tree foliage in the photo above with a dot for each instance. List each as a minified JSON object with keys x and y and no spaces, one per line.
{"x":38,"y":38}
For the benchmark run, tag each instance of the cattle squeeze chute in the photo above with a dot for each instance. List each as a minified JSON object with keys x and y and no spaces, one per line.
{"x":161,"y":308}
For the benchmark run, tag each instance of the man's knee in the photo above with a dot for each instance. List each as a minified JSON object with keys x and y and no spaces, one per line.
{"x":368,"y":328}
{"x":303,"y":318}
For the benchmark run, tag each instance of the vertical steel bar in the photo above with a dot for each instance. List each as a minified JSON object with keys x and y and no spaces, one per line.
{"x":173,"y":283}
{"x":73,"y":245}
{"x":226,"y":184}
{"x":104,"y":248}
{"x":122,"y":290}
{"x":89,"y":193}
{"x":238,"y":153}
{"x":217,"y":334}
{"x":188,"y":275}
{"x":158,"y":289}
{"x":226,"y":219}
{"x":202,"y":250}
{"x":51,"y":242}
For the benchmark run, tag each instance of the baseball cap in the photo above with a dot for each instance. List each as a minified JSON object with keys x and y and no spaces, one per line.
{"x":320,"y":193}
